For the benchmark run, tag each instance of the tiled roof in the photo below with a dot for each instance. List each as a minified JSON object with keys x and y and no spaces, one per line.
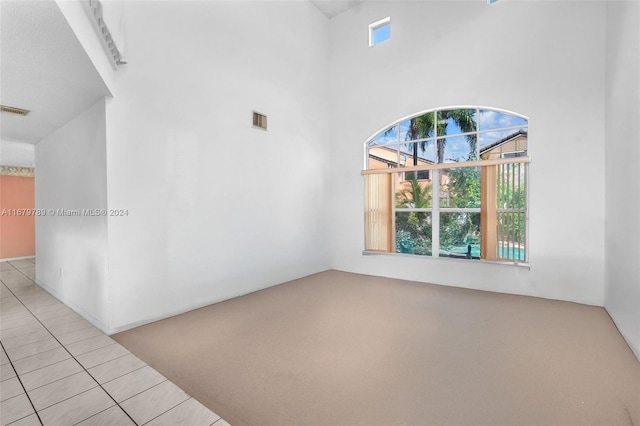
{"x":503,"y":141}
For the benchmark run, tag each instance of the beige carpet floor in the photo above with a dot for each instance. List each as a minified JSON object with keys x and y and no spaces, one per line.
{"x":344,"y":349}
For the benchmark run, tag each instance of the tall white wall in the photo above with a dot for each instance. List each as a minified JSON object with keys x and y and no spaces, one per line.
{"x":216,"y":208}
{"x":622,"y":232}
{"x":72,"y":250}
{"x":80,"y":21}
{"x":541,"y":59}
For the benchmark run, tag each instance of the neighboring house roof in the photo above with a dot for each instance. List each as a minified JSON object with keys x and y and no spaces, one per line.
{"x":392,"y":162}
{"x":519,"y":133}
{"x":488,"y":148}
{"x":383,"y":160}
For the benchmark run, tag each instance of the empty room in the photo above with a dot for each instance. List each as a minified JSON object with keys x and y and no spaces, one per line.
{"x":314,"y":212}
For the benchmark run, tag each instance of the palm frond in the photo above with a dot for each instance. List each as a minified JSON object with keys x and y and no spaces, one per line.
{"x":416,"y":196}
{"x":465,"y":119}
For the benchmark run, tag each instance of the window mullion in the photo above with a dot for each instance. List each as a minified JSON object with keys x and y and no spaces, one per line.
{"x":398,"y":146}
{"x":392,"y":195}
{"x":509,"y":204}
{"x":435,"y":195}
{"x":435,"y":214}
{"x":478,"y":134}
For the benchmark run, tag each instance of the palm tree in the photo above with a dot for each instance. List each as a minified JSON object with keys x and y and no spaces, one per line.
{"x":422,"y":127}
{"x":413,"y":229}
{"x":415,"y":196}
{"x":466,"y":120}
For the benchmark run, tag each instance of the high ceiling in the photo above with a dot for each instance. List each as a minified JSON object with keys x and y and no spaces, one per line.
{"x":43,"y":68}
{"x":333,"y":8}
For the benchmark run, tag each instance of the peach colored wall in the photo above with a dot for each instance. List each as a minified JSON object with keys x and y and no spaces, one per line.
{"x":17,"y":233}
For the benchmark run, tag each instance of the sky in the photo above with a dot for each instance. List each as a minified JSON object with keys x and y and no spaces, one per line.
{"x":382,"y":33}
{"x":491,"y":126}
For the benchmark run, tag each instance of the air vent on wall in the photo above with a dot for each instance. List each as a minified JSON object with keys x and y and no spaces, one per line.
{"x":113,"y":53}
{"x":14,"y":110}
{"x":259,"y":120}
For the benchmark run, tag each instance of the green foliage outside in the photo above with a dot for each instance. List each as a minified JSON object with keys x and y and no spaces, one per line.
{"x":463,"y":188}
{"x":459,"y":230}
{"x":512,"y":196}
{"x":425,"y":126}
{"x":413,"y":229}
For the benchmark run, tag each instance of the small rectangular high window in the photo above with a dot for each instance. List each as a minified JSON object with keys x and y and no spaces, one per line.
{"x":380,"y":31}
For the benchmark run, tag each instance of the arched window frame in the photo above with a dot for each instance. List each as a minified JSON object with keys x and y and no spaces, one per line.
{"x":503,"y":210}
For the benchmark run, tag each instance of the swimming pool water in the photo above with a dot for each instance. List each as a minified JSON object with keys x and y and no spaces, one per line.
{"x":512,"y":253}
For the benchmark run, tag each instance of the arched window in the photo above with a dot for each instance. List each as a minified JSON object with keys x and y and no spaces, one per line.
{"x":450,"y":182}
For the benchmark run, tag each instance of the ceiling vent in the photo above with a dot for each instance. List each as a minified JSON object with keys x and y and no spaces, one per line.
{"x":14,"y":110}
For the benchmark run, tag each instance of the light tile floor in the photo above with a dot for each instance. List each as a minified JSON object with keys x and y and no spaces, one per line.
{"x":58,"y":369}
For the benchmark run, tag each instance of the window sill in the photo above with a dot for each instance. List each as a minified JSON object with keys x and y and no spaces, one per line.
{"x":449,"y":259}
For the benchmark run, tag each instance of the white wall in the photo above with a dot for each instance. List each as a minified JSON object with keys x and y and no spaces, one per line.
{"x":216,"y":208}
{"x":79,"y":19}
{"x":112,"y":14}
{"x":622,"y":232}
{"x":71,"y":175}
{"x":15,"y":153}
{"x":541,"y":59}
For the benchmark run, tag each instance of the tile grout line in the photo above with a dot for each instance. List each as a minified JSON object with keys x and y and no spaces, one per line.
{"x":11,"y":328}
{"x":80,"y":364}
{"x":157,"y":384}
{"x":100,"y":412}
{"x":93,"y":350}
{"x":38,"y":354}
{"x":35,"y":341}
{"x":118,"y":357}
{"x":87,"y":371}
{"x":82,"y":340}
{"x":23,"y":388}
{"x":122,"y":375}
{"x":57,"y":380}
{"x":73,"y":396}
{"x":58,"y":316}
{"x":165,"y":412}
{"x":71,"y":322}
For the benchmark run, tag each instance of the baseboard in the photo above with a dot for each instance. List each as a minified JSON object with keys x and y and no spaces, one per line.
{"x":78,"y":309}
{"x":134,"y":324}
{"x":626,"y":335}
{"x":8,"y":259}
{"x":129,"y":326}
